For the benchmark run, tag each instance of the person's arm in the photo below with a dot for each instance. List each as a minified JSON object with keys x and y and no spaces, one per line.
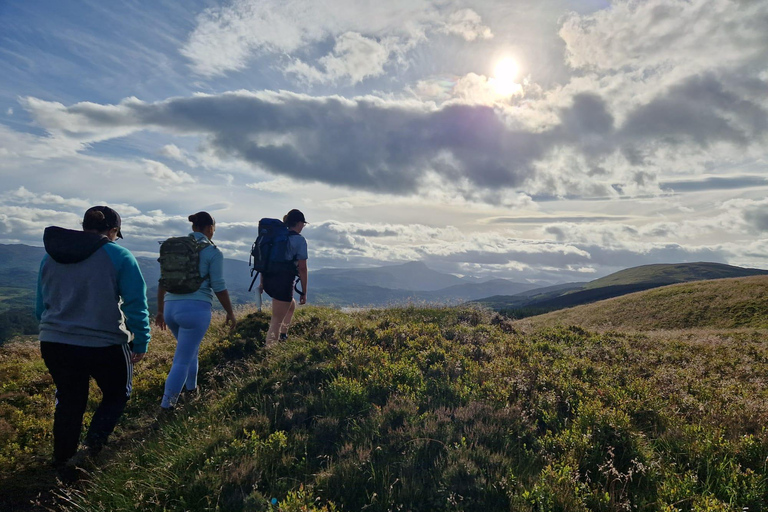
{"x":133,"y":291}
{"x":219,"y":286}
{"x":160,"y":317}
{"x":223,"y":297}
{"x":39,"y":304}
{"x":302,"y":264}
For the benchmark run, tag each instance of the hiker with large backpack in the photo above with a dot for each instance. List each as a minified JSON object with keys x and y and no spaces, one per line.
{"x":94,"y":322}
{"x":191,"y":272}
{"x":280,"y":257}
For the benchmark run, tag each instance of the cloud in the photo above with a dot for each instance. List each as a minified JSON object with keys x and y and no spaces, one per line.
{"x":715,"y":183}
{"x":174,"y":152}
{"x":165,"y":175}
{"x":399,"y":146}
{"x":662,"y":35}
{"x":611,"y":131}
{"x":467,"y":24}
{"x":227,"y":38}
{"x":366,"y":143}
{"x":354,"y":57}
{"x":25,"y":214}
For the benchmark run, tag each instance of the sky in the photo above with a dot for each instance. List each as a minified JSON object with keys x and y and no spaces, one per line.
{"x":542,"y":141}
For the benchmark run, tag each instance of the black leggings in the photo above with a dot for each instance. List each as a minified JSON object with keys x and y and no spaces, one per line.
{"x":71,"y":367}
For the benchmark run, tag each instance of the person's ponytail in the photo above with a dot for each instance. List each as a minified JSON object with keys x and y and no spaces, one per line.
{"x":95,"y":220}
{"x":201,"y":220}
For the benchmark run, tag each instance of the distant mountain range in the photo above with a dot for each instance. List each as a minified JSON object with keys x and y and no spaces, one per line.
{"x":388,"y":285}
{"x":376,"y":286}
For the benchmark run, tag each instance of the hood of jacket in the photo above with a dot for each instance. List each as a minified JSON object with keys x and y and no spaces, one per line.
{"x":70,"y":246}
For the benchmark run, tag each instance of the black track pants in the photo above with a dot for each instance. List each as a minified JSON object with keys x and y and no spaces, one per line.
{"x":71,"y":367}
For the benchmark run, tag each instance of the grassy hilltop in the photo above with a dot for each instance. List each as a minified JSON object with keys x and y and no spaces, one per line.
{"x":719,"y":304}
{"x":426,"y":409}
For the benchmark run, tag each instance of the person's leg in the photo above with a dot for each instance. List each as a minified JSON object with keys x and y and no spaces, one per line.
{"x":193,"y":319}
{"x":279,"y":310}
{"x":71,"y":378}
{"x":112,"y":369}
{"x":191,"y":382}
{"x":286,"y":322}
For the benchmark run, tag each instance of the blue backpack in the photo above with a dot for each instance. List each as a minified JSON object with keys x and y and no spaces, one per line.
{"x":268,"y":254}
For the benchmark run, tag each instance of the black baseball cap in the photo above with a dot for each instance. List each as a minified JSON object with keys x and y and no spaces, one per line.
{"x":293,"y":217}
{"x":111,"y":220}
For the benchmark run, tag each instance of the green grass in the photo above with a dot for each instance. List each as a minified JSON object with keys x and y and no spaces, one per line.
{"x":718,"y":304}
{"x":673,"y":273}
{"x":441,"y":409}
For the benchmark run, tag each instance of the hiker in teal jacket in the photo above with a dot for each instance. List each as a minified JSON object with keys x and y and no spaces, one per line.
{"x":94,"y":322}
{"x":188,"y":315}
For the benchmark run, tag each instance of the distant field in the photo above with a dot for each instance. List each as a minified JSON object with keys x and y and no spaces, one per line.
{"x":13,"y":298}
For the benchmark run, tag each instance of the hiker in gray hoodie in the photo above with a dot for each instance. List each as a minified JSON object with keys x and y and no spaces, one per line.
{"x":94,"y":322}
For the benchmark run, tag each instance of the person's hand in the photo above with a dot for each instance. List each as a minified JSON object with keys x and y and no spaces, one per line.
{"x":303,"y":299}
{"x":135,"y":357}
{"x":160,"y":321}
{"x":231,"y":321}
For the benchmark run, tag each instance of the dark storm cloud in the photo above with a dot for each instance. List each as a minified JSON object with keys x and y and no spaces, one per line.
{"x":393,"y":146}
{"x":365,"y":143}
{"x":702,"y":110}
{"x":756,"y":217}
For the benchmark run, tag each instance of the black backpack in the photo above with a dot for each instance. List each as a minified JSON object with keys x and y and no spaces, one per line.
{"x":180,"y":264}
{"x":269,"y":250}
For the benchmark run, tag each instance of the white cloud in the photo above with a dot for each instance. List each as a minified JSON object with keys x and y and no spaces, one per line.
{"x":165,"y":175}
{"x":354,"y":57}
{"x":226,"y":38}
{"x":467,"y":24}
{"x":174,"y":152}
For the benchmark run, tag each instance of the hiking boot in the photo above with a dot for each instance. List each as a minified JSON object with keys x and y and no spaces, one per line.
{"x":190,"y":395}
{"x":163,"y":416}
{"x":85,"y":458}
{"x":66,"y":473}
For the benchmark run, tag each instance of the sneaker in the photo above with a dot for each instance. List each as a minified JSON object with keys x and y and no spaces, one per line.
{"x":283,"y":336}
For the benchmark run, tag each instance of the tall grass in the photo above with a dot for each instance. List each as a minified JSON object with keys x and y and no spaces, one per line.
{"x":27,"y":402}
{"x":455,"y":409}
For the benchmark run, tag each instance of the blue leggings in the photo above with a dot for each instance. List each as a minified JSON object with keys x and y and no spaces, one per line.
{"x":188,"y":320}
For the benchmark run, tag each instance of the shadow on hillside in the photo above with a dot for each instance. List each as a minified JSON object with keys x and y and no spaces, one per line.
{"x":29,"y":490}
{"x":38,"y":488}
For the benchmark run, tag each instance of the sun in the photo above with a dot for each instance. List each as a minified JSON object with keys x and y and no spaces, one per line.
{"x":505,"y":74}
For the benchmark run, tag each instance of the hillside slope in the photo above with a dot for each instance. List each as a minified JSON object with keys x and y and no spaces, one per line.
{"x":420,"y":409}
{"x":719,"y":304}
{"x":674,"y":273}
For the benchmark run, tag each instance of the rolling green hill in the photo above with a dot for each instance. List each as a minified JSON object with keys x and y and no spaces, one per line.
{"x":718,"y":304}
{"x":673,"y":273}
{"x":421,"y":409}
{"x":615,"y":285}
